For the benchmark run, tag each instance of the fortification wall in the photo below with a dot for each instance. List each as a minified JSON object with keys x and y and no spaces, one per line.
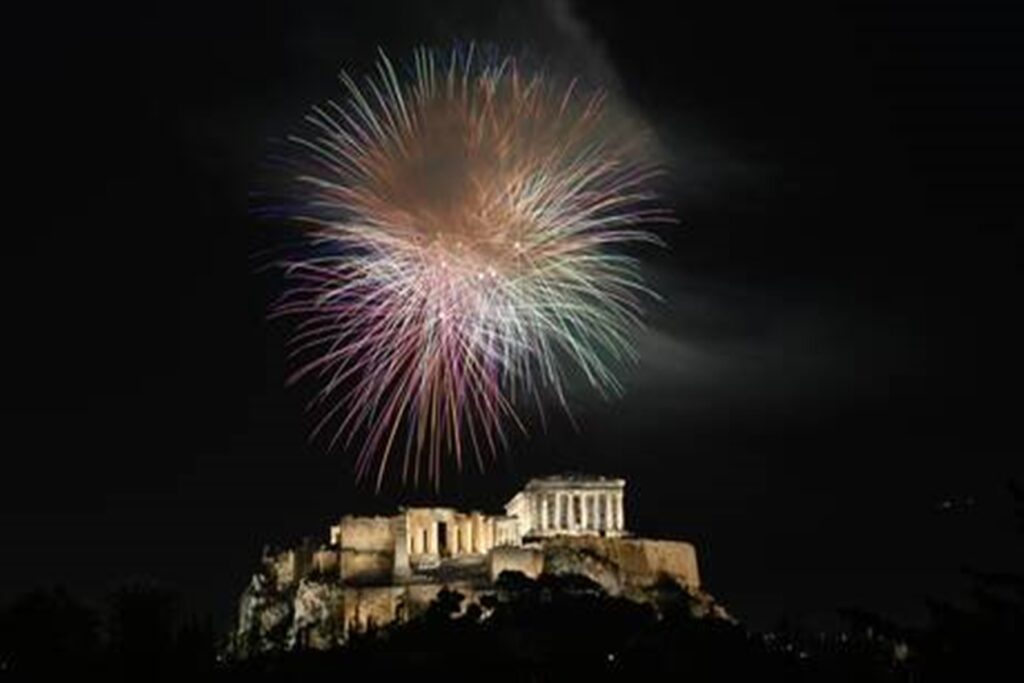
{"x":366,"y":567}
{"x":326,"y":562}
{"x":529,"y":561}
{"x":675,"y":558}
{"x":375,"y":534}
{"x":619,"y":563}
{"x":322,"y":611}
{"x":366,"y":553}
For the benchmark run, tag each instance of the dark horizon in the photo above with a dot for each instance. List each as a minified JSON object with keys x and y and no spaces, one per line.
{"x":826,"y":399}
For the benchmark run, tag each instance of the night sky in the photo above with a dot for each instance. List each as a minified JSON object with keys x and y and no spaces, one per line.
{"x":828,"y":401}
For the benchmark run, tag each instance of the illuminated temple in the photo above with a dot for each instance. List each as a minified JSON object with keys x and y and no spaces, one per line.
{"x":374,"y":571}
{"x":423,"y":538}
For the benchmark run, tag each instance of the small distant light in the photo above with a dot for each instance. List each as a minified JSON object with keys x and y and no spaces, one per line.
{"x":611,"y":656}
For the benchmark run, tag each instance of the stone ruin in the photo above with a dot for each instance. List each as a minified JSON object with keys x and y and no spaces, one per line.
{"x":378,"y":571}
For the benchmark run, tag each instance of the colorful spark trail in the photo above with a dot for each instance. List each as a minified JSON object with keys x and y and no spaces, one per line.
{"x":465,"y":227}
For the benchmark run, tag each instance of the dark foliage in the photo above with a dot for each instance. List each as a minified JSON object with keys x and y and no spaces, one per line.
{"x":141,"y":632}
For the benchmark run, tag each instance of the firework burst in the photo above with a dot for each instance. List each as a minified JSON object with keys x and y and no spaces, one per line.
{"x":466,"y":224}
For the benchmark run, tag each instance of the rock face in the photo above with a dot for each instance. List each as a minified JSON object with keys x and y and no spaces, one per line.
{"x":636,"y":568}
{"x":377,"y":571}
{"x":640,"y":569}
{"x":299,"y":616}
{"x":621,"y":565}
{"x":321,"y":611}
{"x":315,"y":618}
{"x":264,"y":617}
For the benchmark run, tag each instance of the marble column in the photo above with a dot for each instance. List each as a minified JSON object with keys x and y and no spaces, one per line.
{"x":433,"y":539}
{"x":535,"y":515}
{"x":622,"y":513}
{"x":403,"y":546}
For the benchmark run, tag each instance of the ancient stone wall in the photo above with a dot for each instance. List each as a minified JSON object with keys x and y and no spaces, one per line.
{"x":366,"y":553}
{"x":381,"y":570}
{"x":621,"y":563}
{"x":371,"y":607}
{"x":320,"y":612}
{"x":367,"y":534}
{"x":366,"y":567}
{"x":529,"y":561}
{"x":326,"y":562}
{"x":674,"y":558}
